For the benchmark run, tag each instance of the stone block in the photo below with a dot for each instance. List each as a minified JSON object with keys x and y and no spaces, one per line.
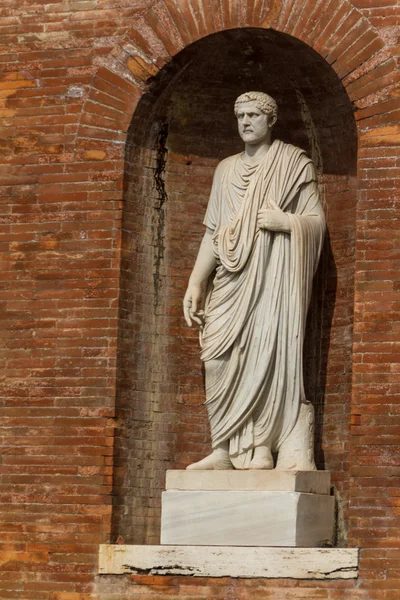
{"x":246,"y":518}
{"x":313,"y":482}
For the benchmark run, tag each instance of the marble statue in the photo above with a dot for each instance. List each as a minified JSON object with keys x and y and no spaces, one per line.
{"x":264,"y":233}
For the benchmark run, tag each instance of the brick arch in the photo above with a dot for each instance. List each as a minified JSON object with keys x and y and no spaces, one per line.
{"x":337,"y":31}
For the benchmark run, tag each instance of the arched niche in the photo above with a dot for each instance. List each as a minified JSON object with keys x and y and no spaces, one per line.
{"x":183,"y":126}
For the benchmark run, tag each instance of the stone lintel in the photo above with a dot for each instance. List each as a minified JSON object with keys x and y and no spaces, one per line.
{"x":313,"y":482}
{"x":226,"y":561}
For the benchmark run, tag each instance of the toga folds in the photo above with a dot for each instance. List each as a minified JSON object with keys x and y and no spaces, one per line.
{"x":257,"y":301}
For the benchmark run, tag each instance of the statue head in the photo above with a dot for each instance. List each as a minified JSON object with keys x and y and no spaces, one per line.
{"x":265,"y":103}
{"x":256,"y":113}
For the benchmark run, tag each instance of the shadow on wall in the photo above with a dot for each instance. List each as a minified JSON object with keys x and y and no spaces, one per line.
{"x":181,"y":129}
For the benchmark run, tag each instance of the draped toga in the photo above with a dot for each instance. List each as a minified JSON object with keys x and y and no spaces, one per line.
{"x":257,"y":301}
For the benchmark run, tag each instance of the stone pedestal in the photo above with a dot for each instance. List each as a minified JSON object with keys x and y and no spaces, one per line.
{"x":247,"y":508}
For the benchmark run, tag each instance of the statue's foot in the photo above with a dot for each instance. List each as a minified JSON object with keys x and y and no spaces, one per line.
{"x":262,"y":458}
{"x":295,"y":465}
{"x":218,"y":460}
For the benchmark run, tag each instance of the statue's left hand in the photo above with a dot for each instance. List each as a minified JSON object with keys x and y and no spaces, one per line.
{"x":273,"y":219}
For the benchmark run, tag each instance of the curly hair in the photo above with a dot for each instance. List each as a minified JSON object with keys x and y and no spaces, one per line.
{"x":265,"y":103}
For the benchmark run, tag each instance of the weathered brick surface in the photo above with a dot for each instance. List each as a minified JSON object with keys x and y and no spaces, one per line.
{"x":72,"y":76}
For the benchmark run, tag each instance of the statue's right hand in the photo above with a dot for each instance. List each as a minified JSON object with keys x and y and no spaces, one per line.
{"x":191,"y":305}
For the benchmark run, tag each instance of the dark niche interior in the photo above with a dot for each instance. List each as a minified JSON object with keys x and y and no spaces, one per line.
{"x":183,"y":126}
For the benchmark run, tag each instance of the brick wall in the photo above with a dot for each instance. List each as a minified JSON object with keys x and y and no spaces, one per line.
{"x":72,"y":77}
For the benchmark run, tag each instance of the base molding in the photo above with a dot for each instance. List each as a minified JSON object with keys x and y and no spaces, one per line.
{"x":228,"y":561}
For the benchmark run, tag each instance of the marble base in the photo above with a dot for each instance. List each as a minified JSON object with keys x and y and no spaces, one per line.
{"x":224,"y":561}
{"x":247,"y":518}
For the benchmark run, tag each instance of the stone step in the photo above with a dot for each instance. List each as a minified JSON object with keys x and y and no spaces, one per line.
{"x":315,"y":482}
{"x":226,"y":561}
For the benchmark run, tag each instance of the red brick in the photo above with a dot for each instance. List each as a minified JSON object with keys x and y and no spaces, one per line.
{"x":349,"y":27}
{"x":331,"y":21}
{"x":147,"y":40}
{"x":184,"y":21}
{"x":310,"y":16}
{"x":159,"y":19}
{"x":284,"y":15}
{"x":204,"y":10}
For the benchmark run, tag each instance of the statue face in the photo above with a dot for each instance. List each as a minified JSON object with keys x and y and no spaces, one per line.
{"x":253,"y":124}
